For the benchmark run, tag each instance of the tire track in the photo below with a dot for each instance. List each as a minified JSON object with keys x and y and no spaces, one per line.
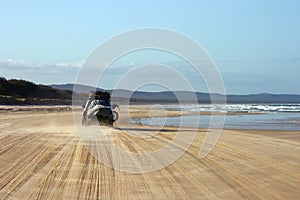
{"x":43,"y":158}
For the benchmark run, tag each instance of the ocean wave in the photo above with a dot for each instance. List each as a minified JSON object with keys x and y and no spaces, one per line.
{"x":248,"y":108}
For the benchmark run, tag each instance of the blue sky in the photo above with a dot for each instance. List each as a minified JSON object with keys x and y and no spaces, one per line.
{"x":255,"y":44}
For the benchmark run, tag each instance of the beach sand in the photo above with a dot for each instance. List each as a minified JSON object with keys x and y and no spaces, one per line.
{"x":43,"y":157}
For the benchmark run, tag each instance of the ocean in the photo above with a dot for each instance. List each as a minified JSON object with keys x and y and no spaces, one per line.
{"x":245,"y":116}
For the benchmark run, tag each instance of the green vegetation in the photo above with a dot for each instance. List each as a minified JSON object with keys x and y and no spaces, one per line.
{"x":18,"y":92}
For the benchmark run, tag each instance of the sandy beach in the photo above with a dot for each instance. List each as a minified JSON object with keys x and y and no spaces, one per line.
{"x":43,"y":157}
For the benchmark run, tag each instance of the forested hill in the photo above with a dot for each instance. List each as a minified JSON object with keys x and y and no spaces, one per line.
{"x":18,"y":92}
{"x":170,"y":97}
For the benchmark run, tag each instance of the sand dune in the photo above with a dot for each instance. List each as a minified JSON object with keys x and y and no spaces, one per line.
{"x":43,"y":157}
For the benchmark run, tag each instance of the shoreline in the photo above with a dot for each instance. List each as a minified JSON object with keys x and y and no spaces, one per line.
{"x":142,"y":118}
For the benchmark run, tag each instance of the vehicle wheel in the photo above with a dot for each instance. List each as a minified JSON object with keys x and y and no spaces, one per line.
{"x":100,"y":120}
{"x":84,"y":121}
{"x":115,"y":116}
{"x":110,"y":122}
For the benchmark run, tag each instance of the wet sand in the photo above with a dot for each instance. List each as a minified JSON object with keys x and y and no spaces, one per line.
{"x":43,"y":157}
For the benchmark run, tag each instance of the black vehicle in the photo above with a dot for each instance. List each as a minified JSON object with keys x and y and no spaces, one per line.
{"x":100,"y":110}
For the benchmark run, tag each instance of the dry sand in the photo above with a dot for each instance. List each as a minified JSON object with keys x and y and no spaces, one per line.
{"x":42,"y":157}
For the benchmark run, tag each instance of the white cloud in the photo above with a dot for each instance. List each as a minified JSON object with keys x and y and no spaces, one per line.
{"x":64,"y":64}
{"x":45,"y":73}
{"x":14,"y":64}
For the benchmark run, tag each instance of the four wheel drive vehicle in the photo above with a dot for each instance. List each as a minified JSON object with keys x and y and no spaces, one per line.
{"x":100,"y":110}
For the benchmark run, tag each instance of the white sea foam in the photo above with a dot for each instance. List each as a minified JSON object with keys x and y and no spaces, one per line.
{"x":248,"y":108}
